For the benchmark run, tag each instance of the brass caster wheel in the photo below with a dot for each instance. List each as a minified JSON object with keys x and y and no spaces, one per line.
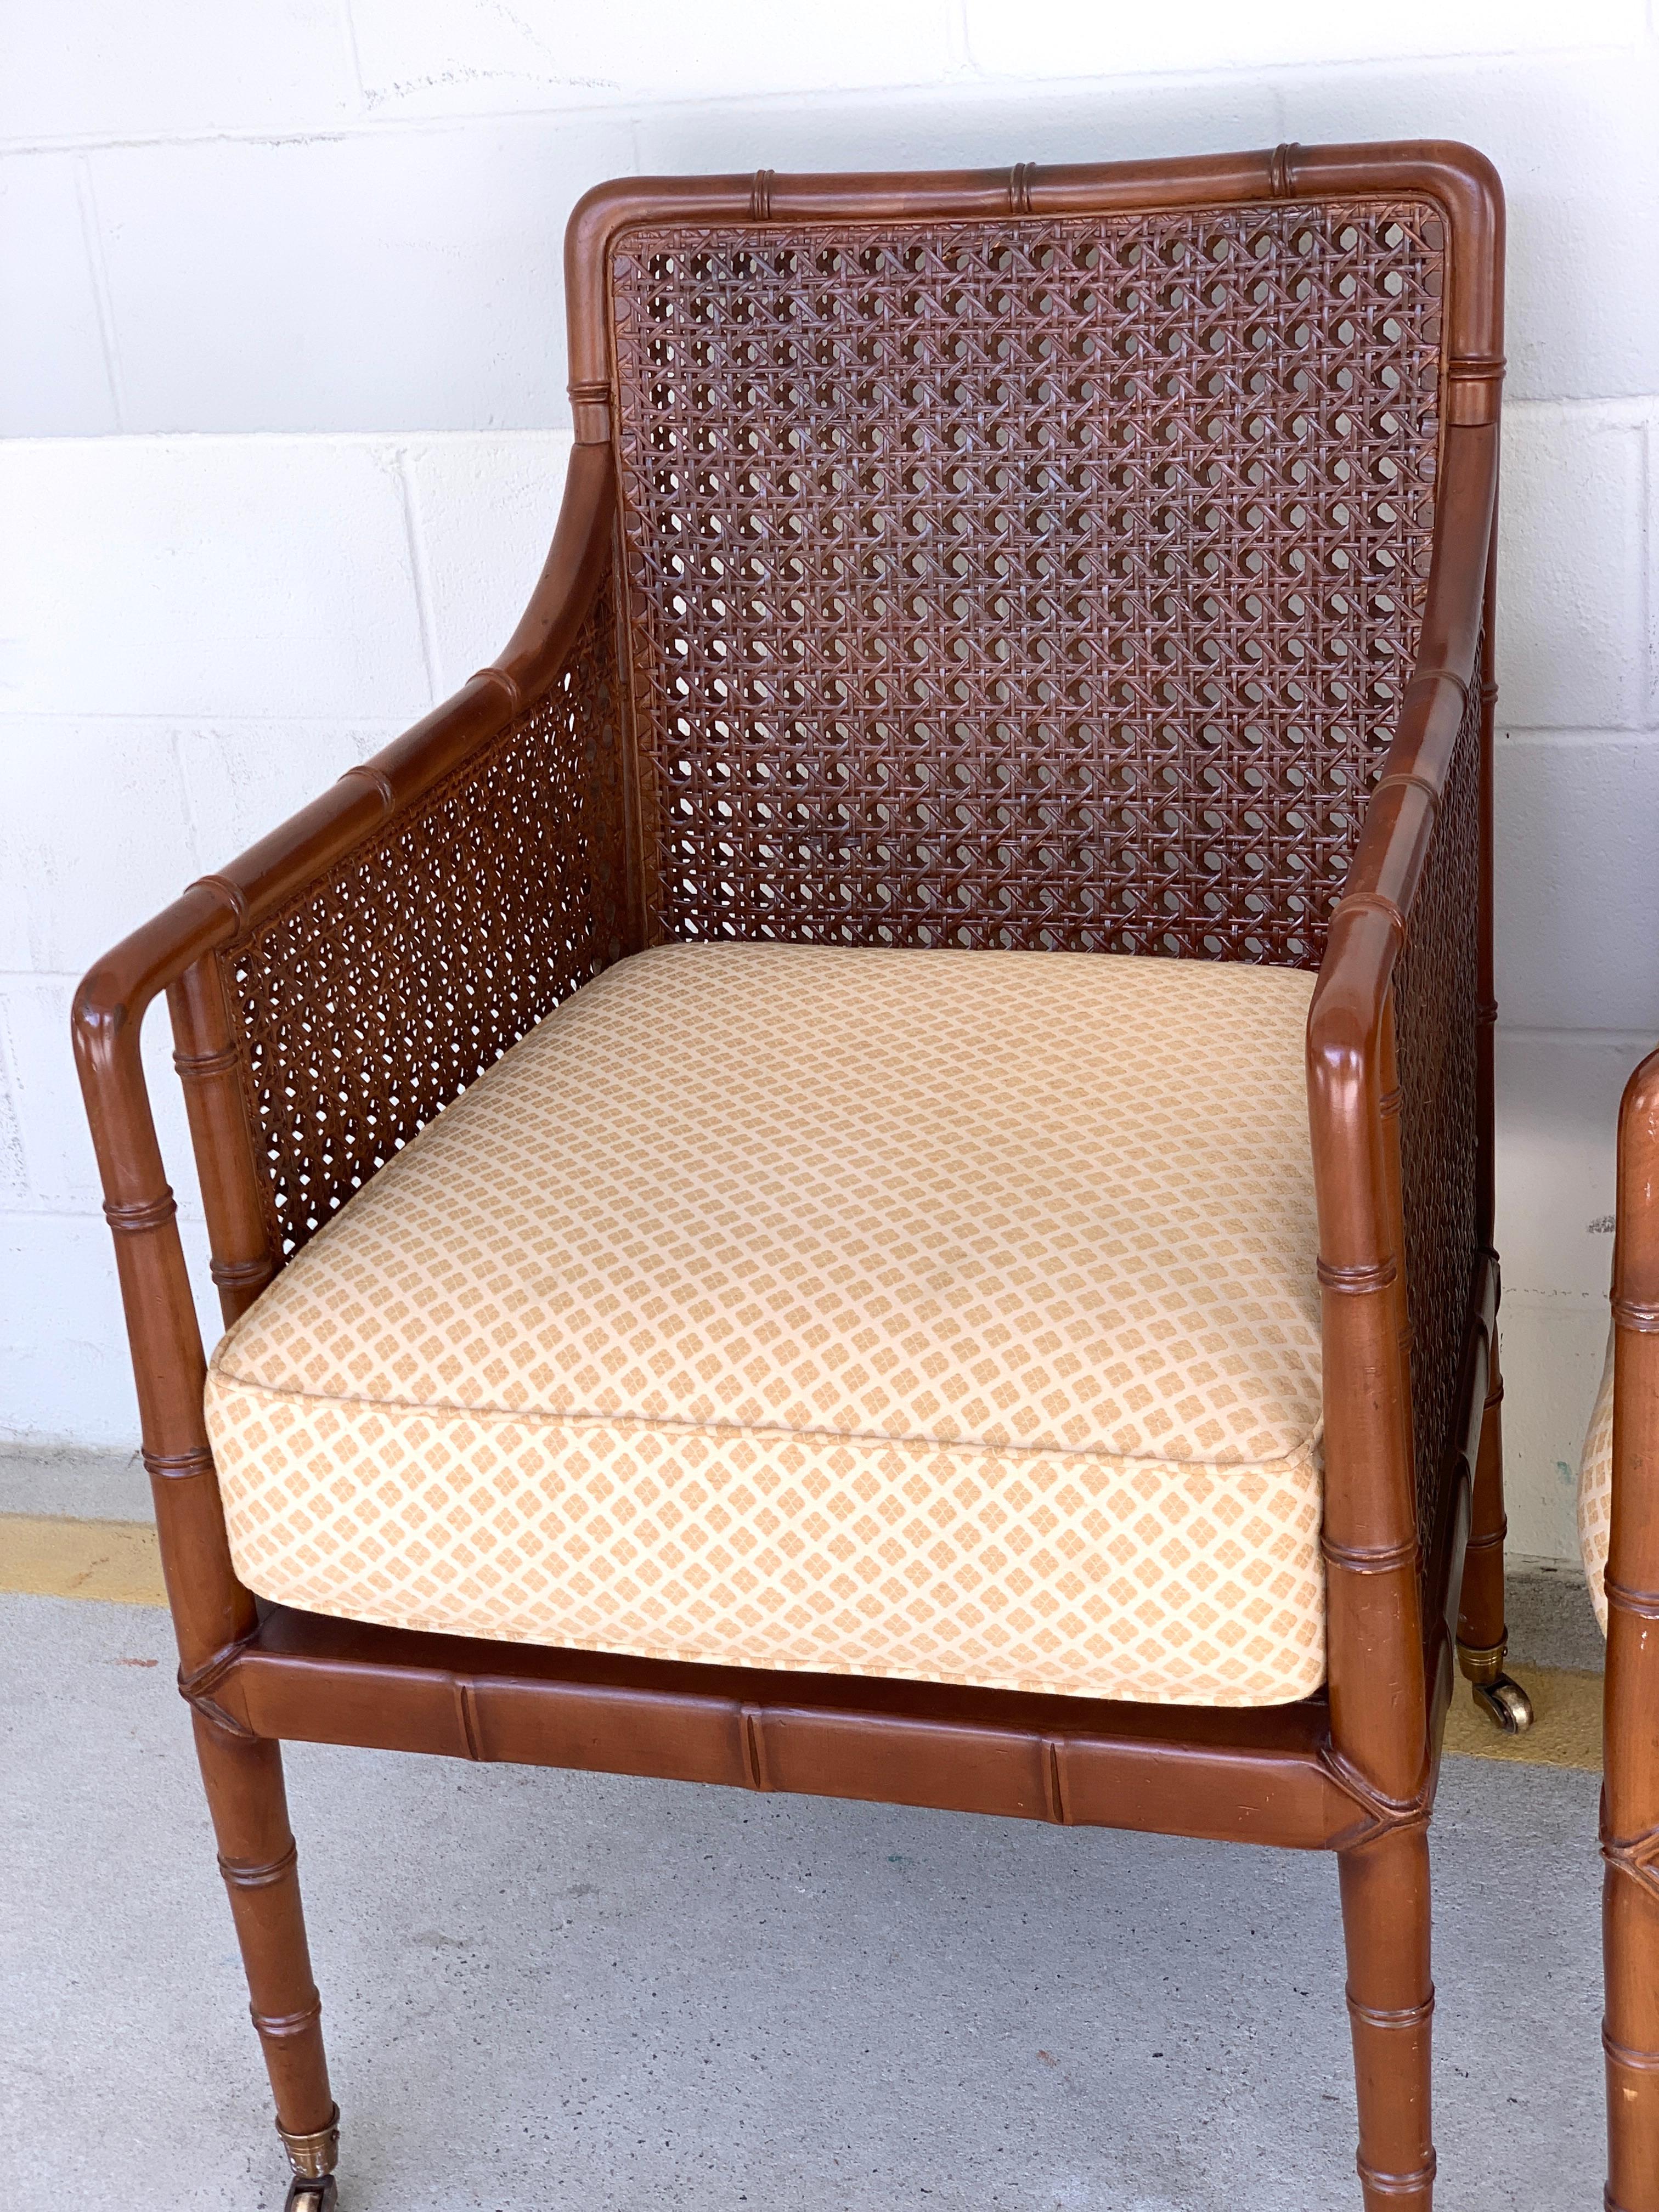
{"x":307,"y":2194}
{"x":1505,"y":1703}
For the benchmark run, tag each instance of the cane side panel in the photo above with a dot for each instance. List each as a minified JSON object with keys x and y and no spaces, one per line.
{"x":1048,"y":583}
{"x":1436,"y":993}
{"x":373,"y":999}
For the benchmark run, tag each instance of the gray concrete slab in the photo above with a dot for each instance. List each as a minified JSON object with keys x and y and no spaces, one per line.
{"x":1551,"y":1622}
{"x":570,"y":1993}
{"x":80,"y":1484}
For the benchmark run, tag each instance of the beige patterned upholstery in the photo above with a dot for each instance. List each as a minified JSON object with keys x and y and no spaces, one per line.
{"x":906,"y":1312}
{"x":1595,"y":1493}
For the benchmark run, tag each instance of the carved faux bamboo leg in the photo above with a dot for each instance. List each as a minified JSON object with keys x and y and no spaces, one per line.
{"x":1482,"y":1634}
{"x":1630,"y":2037}
{"x":1385,"y":1925}
{"x":244,"y":1780}
{"x":1630,"y":1796}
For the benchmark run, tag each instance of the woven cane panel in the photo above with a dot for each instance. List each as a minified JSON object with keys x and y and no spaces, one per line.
{"x":1437,"y":986}
{"x":1051,"y":583}
{"x":372,"y":1001}
{"x":911,"y":1313}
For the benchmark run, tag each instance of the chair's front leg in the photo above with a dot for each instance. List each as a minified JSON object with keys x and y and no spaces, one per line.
{"x":1630,"y":2036}
{"x":244,"y":1780}
{"x":1385,"y":1926}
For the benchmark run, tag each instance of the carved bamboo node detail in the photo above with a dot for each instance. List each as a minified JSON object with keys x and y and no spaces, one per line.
{"x":1474,"y":388}
{"x":1633,"y":1314}
{"x":1379,"y":2184}
{"x":590,"y":407}
{"x":1359,"y":1282}
{"x":179,"y":1466}
{"x":198,"y":1064}
{"x":1402,"y":779}
{"x":1281,"y":181}
{"x":233,"y":1274}
{"x":1489,"y":1538}
{"x":1369,"y":1558}
{"x":760,"y":196}
{"x":278,"y":2027}
{"x":138,"y":1215}
{"x":1627,"y":2056}
{"x":235,"y":897}
{"x":503,"y":681}
{"x":1020,"y":178}
{"x":242,"y":1877}
{"x":1645,"y":1604}
{"x":377,"y":781}
{"x":1375,"y":902}
{"x":1404,"y":2016}
{"x":1476,"y":369}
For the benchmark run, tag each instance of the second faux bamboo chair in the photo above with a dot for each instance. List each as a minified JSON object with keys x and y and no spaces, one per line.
{"x":984,"y":1298}
{"x":1619,"y":1524}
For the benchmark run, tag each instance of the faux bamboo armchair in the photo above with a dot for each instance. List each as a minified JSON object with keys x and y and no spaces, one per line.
{"x":1619,"y":1528}
{"x":1043,"y":562}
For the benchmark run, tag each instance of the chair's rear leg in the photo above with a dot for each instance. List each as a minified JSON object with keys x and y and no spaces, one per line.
{"x":249,"y":1805}
{"x":1385,"y":1926}
{"x":1482,"y":1631}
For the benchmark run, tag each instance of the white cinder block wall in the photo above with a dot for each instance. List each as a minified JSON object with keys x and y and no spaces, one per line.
{"x":281,"y":382}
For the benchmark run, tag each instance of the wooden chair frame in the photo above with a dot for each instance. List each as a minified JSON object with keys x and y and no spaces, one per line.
{"x":1630,"y":1793}
{"x":1351,"y":1769}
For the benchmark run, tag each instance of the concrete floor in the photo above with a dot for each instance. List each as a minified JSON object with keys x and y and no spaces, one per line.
{"x":572,"y":1993}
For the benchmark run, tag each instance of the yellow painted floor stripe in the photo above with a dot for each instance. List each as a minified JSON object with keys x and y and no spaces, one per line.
{"x":1566,"y":1730}
{"x":117,"y":1562}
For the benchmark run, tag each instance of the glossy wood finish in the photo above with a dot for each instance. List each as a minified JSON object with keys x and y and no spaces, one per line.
{"x":1630,"y":1797}
{"x":1351,"y":1771}
{"x":1385,"y":1925}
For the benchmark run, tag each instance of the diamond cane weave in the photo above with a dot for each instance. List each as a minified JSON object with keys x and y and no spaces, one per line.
{"x":1436,"y":993}
{"x":1047,"y":583}
{"x":361,"y":1019}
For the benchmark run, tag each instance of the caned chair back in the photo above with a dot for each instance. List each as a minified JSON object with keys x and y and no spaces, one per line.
{"x":1005,"y":578}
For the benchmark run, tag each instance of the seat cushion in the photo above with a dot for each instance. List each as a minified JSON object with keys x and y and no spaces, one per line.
{"x":944,"y":1314}
{"x":1595,"y":1492}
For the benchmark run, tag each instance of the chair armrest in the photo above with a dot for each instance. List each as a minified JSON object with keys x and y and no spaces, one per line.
{"x":379,"y":926}
{"x":1399,"y":1082}
{"x":1633,"y":1570}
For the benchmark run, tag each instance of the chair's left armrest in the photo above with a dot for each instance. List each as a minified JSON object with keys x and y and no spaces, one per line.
{"x":1399,"y":1108}
{"x":1632,"y":1567}
{"x":341,"y":981}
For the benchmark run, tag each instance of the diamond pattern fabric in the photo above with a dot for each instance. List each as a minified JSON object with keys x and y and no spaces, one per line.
{"x":911,"y":1313}
{"x":1595,"y":1492}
